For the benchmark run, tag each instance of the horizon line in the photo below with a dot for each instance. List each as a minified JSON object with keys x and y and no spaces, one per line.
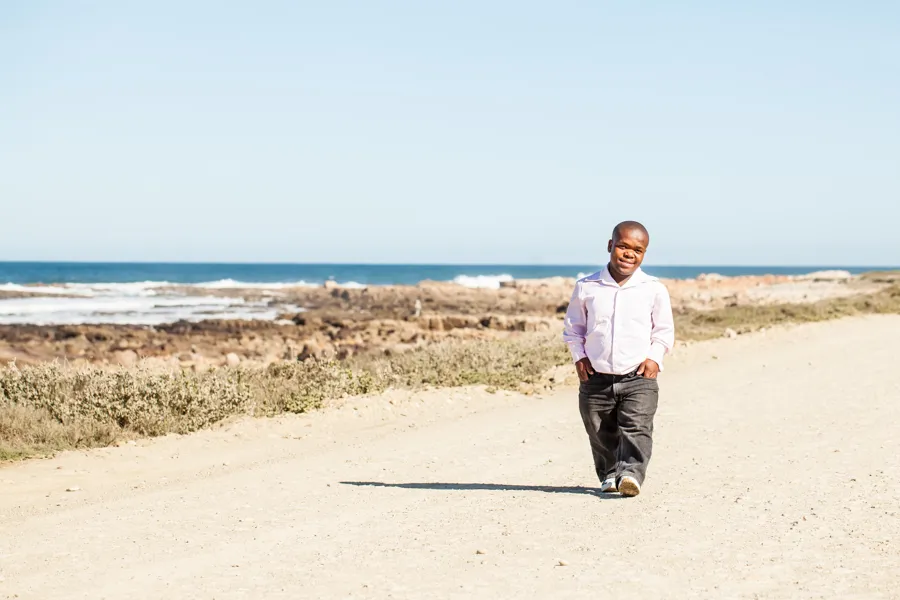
{"x":432,"y":264}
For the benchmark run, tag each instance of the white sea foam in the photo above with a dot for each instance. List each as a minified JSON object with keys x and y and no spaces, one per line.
{"x":135,"y":304}
{"x":49,"y":290}
{"x":352,"y":285}
{"x":491,"y":282}
{"x":141,"y":288}
{"x":231,"y":284}
{"x":153,"y":288}
{"x":137,"y":288}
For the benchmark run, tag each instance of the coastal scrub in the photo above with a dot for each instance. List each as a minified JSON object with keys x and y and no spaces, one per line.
{"x":51,"y":407}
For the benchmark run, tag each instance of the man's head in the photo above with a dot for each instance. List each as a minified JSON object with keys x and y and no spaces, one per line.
{"x":627,"y":248}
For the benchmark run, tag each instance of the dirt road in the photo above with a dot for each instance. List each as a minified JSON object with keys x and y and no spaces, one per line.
{"x":776,"y":474}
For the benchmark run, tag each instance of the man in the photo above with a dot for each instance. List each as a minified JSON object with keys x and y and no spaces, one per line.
{"x":619,"y":327}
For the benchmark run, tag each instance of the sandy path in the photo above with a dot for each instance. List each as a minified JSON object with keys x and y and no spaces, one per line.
{"x":776,"y":474}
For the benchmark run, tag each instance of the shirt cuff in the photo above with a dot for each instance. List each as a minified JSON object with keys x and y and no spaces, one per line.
{"x":577,"y":351}
{"x":657,"y":353}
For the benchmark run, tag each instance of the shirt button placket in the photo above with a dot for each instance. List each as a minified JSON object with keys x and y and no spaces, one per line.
{"x":612,"y":334}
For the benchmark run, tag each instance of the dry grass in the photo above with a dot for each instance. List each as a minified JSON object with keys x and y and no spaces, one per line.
{"x":891,"y":277}
{"x":26,"y":431}
{"x":701,"y":325}
{"x":503,"y":364}
{"x":50,"y":407}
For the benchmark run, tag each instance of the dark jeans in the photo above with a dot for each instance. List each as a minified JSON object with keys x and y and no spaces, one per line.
{"x":618,"y":412}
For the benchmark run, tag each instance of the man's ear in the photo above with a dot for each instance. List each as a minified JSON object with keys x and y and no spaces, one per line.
{"x":609,"y":246}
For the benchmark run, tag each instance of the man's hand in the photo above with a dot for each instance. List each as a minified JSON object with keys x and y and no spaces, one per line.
{"x":648,"y":369}
{"x":584,"y":369}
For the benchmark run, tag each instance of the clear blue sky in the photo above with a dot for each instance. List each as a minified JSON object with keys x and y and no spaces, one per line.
{"x":465,"y":131}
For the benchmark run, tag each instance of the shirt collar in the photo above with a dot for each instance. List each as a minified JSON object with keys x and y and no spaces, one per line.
{"x":605,"y":278}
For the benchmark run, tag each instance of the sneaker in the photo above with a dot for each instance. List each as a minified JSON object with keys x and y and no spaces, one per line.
{"x":608,"y":486}
{"x":628,"y":486}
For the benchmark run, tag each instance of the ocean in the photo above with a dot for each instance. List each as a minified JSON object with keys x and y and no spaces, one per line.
{"x":30,"y":273}
{"x":140,"y":294}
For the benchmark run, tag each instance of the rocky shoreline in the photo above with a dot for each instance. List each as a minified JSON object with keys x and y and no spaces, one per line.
{"x":343,"y":322}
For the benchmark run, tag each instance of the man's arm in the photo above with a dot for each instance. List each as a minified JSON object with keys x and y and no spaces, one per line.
{"x":662,"y":335}
{"x":575,"y":325}
{"x":574,"y":331}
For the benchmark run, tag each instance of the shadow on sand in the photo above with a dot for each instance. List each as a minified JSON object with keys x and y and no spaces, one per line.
{"x":489,"y":487}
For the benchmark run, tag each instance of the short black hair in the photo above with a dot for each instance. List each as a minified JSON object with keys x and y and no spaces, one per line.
{"x":624,"y":226}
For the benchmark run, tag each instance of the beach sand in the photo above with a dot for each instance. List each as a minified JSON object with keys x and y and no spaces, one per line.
{"x":776,"y":474}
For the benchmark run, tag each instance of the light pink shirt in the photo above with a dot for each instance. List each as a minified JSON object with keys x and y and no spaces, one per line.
{"x":619,"y":327}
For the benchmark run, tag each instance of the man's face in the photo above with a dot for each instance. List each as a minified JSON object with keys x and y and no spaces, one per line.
{"x":626,"y":251}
